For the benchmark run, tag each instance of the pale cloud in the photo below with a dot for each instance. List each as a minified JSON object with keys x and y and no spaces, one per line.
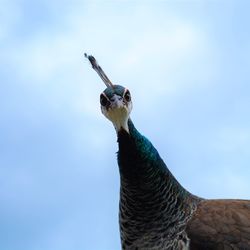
{"x":228,"y":183}
{"x":41,"y":57}
{"x":180,"y":41}
{"x":233,"y":139}
{"x":10,"y":14}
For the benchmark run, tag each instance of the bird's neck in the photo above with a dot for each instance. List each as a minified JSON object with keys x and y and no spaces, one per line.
{"x":153,"y":205}
{"x":143,"y":170}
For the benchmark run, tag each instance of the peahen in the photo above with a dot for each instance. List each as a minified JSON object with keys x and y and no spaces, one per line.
{"x":156,"y":212}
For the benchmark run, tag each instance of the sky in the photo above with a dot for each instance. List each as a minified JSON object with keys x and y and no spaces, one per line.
{"x":186,"y":64}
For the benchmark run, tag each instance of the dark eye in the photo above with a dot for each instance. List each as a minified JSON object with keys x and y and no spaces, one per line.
{"x":103,"y":100}
{"x":127,"y":96}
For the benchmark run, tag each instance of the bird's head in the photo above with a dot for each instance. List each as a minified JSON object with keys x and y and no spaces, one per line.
{"x":116,"y":105}
{"x":115,"y":100}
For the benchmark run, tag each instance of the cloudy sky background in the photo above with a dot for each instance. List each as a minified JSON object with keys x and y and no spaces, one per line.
{"x":186,"y":64}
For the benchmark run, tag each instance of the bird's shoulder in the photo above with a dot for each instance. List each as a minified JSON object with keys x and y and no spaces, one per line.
{"x":220,"y":224}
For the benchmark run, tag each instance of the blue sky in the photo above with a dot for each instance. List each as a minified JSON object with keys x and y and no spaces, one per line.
{"x":186,"y":64}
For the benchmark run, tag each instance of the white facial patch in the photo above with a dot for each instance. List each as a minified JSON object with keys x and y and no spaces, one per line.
{"x":118,"y":113}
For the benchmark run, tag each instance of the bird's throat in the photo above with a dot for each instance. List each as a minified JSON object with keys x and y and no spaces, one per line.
{"x":119,"y":117}
{"x":136,"y":154}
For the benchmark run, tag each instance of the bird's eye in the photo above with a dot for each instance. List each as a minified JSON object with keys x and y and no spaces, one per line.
{"x":127,"y":96}
{"x":103,"y":100}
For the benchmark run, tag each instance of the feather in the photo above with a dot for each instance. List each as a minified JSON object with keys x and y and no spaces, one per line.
{"x":220,"y":224}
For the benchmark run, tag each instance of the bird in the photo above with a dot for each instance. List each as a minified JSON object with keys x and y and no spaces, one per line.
{"x":155,"y":211}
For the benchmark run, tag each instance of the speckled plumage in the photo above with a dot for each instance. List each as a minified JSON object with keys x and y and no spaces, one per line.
{"x":220,"y":224}
{"x":154,"y":207}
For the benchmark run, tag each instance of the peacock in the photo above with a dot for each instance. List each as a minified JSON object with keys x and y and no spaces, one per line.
{"x":155,"y":211}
